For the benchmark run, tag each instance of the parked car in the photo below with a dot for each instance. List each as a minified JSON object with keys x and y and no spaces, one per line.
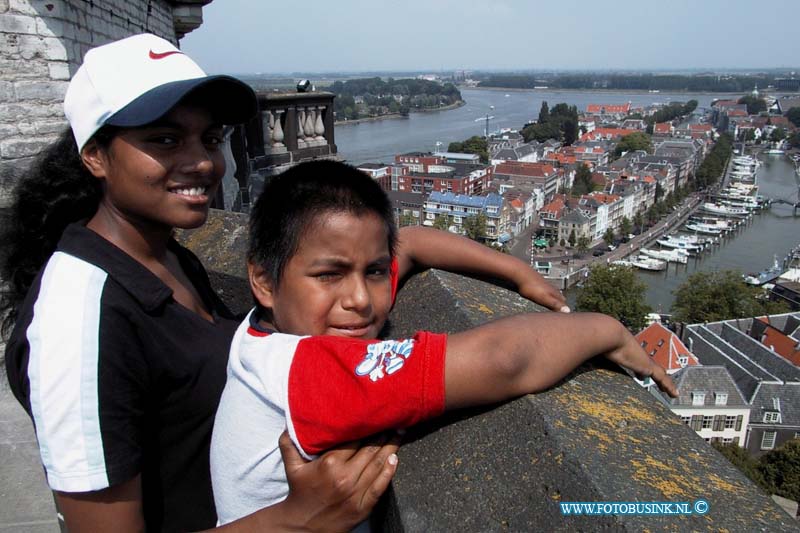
{"x":598,"y":253}
{"x":611,"y":247}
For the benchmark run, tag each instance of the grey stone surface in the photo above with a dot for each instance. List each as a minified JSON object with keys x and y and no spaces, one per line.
{"x":26,"y":503}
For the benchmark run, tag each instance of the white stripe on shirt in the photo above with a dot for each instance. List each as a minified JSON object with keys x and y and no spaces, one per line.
{"x":63,"y":374}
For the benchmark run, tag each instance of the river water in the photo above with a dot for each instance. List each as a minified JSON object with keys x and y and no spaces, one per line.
{"x":750,"y":249}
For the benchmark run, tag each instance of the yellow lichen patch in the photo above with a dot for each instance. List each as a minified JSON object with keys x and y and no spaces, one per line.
{"x":458,"y":461}
{"x":485,"y":309}
{"x":727,"y":486}
{"x":666,"y":479}
{"x":560,"y":458}
{"x":610,"y":413}
{"x":603,"y":441}
{"x":556,"y":496}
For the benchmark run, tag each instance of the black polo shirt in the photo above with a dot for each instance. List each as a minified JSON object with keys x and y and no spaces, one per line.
{"x":120,"y":379}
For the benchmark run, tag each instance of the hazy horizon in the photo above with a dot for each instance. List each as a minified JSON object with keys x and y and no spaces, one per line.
{"x":680,"y":36}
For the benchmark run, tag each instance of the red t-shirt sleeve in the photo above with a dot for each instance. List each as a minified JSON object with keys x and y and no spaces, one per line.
{"x":344,"y":389}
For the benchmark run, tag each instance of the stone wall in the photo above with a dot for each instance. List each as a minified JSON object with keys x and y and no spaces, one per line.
{"x":42,"y":43}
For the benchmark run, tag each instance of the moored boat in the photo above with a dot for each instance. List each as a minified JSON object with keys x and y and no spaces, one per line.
{"x":672,"y":256}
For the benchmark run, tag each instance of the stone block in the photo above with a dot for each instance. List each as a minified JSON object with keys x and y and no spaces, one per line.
{"x":19,"y":112}
{"x":22,"y":6}
{"x":41,"y":90}
{"x":48,"y":8}
{"x":27,"y":128}
{"x":20,"y":69}
{"x":50,"y":48}
{"x":50,"y":127}
{"x":19,"y":148}
{"x":17,"y":24}
{"x":8,"y":130}
{"x":58,"y":70}
{"x":6,"y":91}
{"x":50,"y":27}
{"x":3,"y":6}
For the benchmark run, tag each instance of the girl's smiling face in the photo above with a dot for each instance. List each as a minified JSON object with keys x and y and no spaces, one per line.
{"x":338,"y":281}
{"x":164,"y":174}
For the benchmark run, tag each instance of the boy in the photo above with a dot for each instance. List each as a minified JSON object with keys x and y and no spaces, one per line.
{"x":323,"y":268}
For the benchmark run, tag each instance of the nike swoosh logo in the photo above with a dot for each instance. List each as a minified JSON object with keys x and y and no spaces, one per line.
{"x":162,"y":55}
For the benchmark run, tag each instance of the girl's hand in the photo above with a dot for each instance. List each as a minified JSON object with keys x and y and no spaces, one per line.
{"x":536,"y":289}
{"x":631,"y":355}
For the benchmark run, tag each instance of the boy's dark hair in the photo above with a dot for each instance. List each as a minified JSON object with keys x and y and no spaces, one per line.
{"x":292,"y":200}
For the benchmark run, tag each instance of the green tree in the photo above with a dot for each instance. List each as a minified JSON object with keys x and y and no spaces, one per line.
{"x":625,"y":226}
{"x":755,"y":105}
{"x":615,"y":291}
{"x":608,"y":236}
{"x":634,"y":141}
{"x":744,"y":462}
{"x":794,"y":116}
{"x":777,"y":135}
{"x":441,"y":222}
{"x":583,"y":181}
{"x":473,"y":145}
{"x":781,"y":470}
{"x":638,"y":220}
{"x":544,"y":113}
{"x":720,"y":295}
{"x":407,"y":219}
{"x":572,"y":239}
{"x":794,"y":138}
{"x":475,"y":227}
{"x":583,"y":244}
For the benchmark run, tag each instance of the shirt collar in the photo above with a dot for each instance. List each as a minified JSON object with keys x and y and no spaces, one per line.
{"x":143,"y":285}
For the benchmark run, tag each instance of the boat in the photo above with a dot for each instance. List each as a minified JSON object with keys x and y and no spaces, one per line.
{"x":671,"y":256}
{"x":706,"y":229}
{"x":775,"y":151}
{"x":726,"y":210}
{"x":765,"y":276}
{"x":684,"y":243}
{"x":648,"y":263}
{"x":622,"y":263}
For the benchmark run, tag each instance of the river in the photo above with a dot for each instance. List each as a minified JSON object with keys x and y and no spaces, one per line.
{"x":750,"y":249}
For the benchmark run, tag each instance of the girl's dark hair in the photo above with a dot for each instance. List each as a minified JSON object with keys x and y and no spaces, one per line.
{"x":56,"y":191}
{"x":291,"y":201}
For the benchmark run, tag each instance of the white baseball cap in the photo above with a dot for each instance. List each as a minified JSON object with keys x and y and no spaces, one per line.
{"x":136,"y":80}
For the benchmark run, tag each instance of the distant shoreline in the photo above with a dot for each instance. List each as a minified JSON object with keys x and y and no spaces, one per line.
{"x":600,"y":91}
{"x":398,"y":115}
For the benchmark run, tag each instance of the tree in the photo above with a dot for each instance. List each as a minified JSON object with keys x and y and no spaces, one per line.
{"x":441,"y":222}
{"x":407,"y":219}
{"x":777,"y":135}
{"x":634,"y":141}
{"x":781,"y":470}
{"x":744,"y":462}
{"x":755,"y":105}
{"x":608,"y":236}
{"x":615,"y":291}
{"x":583,"y":181}
{"x":583,"y":244}
{"x":638,"y":220}
{"x":625,"y":226}
{"x":475,"y":227}
{"x":544,"y":113}
{"x":473,"y":145}
{"x":572,"y":239}
{"x":720,"y":295}
{"x":794,"y":116}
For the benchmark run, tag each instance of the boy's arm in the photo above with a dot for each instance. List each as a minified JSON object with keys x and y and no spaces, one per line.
{"x":420,"y":247}
{"x":529,"y":353}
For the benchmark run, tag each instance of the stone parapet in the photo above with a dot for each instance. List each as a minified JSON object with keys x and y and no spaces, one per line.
{"x":595,"y":437}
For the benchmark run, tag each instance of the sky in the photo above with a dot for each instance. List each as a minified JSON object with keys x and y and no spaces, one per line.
{"x":258,"y":36}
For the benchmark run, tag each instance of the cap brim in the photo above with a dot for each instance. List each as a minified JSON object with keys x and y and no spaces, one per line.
{"x":231,"y":101}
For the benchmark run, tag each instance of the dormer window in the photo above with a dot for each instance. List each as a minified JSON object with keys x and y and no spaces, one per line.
{"x":773,"y":417}
{"x":683,"y":361}
{"x":698,"y":398}
{"x":720,"y":398}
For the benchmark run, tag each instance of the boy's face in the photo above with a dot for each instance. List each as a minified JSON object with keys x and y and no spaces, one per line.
{"x":337,"y":283}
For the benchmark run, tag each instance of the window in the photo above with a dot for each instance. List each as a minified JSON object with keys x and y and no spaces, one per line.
{"x":661,"y":342}
{"x":698,"y":398}
{"x":727,"y":440}
{"x":768,"y":440}
{"x":707,"y":420}
{"x":730,"y":421}
{"x":772,"y":416}
{"x":686,"y":419}
{"x":683,"y":360}
{"x":720,"y":398}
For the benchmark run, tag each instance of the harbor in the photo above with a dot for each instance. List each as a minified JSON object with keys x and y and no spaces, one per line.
{"x":750,"y":244}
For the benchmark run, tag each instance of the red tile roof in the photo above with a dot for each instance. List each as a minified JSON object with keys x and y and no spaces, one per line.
{"x":780,"y":343}
{"x":700,"y":127}
{"x":606,"y":133}
{"x":665,"y":347}
{"x":662,"y":127}
{"x":608,"y":108}
{"x":521,"y":168}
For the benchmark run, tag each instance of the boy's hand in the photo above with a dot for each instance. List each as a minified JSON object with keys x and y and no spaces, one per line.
{"x":631,"y":355}
{"x":536,"y":289}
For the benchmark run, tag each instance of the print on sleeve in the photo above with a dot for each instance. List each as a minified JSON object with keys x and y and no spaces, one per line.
{"x":386,"y":357}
